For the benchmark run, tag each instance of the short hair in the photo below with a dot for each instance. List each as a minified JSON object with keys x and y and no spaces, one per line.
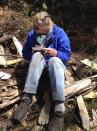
{"x":42,"y":19}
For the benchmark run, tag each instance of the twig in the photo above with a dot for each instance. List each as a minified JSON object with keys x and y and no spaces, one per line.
{"x":91,"y":77}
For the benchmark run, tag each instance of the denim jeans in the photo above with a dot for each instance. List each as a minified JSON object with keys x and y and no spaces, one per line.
{"x":56,"y":70}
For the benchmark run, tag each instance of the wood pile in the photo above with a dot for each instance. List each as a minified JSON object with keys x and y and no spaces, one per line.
{"x":76,"y":88}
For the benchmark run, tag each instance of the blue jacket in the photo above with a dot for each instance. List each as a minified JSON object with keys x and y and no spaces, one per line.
{"x":58,"y":40}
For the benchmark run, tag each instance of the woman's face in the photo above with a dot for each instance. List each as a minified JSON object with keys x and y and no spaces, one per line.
{"x":42,"y":30}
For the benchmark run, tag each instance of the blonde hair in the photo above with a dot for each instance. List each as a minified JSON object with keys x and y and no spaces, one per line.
{"x":42,"y":19}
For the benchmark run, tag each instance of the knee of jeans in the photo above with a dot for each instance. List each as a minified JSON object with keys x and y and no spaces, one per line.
{"x":53,"y":60}
{"x":37,"y":54}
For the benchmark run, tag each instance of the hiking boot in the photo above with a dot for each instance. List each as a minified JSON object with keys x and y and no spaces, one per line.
{"x":22,"y":109}
{"x":56,"y":122}
{"x":11,"y":123}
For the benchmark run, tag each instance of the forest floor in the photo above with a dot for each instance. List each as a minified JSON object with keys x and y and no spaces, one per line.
{"x":18,"y":24}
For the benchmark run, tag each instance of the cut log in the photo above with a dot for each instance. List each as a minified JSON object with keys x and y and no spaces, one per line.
{"x":81,"y":91}
{"x":75,"y":89}
{"x":11,"y":62}
{"x":83,"y":113}
{"x":89,"y":63}
{"x":18,"y":45}
{"x":77,"y":86}
{"x":5,"y":63}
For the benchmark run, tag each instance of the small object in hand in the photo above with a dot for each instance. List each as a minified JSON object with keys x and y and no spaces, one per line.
{"x":37,"y":49}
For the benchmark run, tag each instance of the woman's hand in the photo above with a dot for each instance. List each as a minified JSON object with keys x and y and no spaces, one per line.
{"x":50,"y":51}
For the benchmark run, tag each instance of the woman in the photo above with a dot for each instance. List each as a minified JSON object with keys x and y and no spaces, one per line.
{"x":46,"y":46}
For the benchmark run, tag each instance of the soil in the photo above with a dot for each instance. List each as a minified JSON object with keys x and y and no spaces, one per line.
{"x":16,"y":23}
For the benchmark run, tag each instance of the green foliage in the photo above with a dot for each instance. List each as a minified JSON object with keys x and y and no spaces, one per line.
{"x":91,"y":69}
{"x":91,"y":104}
{"x":44,"y":6}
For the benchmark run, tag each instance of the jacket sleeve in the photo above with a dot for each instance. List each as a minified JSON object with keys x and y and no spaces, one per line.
{"x":27,"y":49}
{"x":63,"y":49}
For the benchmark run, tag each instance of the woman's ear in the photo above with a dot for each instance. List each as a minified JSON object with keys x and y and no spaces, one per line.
{"x":47,"y":20}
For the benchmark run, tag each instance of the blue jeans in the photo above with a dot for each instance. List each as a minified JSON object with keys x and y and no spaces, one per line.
{"x":56,"y":70}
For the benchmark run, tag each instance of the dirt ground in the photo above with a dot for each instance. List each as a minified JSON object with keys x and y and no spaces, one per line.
{"x":16,"y":23}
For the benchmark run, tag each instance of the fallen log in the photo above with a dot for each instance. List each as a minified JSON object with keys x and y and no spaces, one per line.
{"x":5,"y":63}
{"x":89,"y":63}
{"x":11,"y":62}
{"x":76,"y":87}
{"x":73,"y":90}
{"x":83,"y":113}
{"x":80,"y":91}
{"x":88,"y":89}
{"x":81,"y":85}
